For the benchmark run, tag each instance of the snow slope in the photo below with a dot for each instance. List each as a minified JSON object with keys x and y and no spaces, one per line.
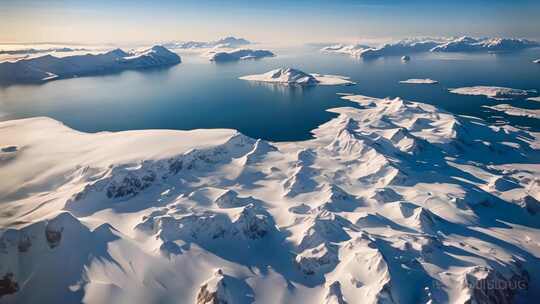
{"x":290,"y":76}
{"x":392,"y":202}
{"x":49,"y":67}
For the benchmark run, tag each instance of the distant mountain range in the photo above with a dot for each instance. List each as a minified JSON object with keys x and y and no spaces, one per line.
{"x":416,"y":45}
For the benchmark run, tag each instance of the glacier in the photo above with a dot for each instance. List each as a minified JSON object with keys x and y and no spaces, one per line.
{"x":392,"y":201}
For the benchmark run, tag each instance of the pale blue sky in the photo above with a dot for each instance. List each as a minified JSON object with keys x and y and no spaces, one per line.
{"x":298,"y":22}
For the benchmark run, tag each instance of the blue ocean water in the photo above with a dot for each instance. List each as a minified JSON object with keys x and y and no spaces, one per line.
{"x":200,"y":94}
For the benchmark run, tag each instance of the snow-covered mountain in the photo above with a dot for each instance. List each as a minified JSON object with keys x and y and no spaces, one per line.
{"x":294,"y":77}
{"x":469,"y":44}
{"x":49,"y":67}
{"x":417,"y":45}
{"x":392,"y":202}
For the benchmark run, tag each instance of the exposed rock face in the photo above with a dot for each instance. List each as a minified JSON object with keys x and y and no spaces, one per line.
{"x":24,"y":243}
{"x":531,"y":204}
{"x":8,"y":285}
{"x":334,"y":296}
{"x":169,"y":248}
{"x":130,"y":185}
{"x":253,"y":223}
{"x":487,"y":286}
{"x":318,"y":260}
{"x":53,"y":233}
{"x":206,"y":296}
{"x":230,"y":199}
{"x":224,"y":289}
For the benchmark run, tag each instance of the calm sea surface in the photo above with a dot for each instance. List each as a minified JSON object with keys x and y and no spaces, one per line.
{"x":199,"y":94}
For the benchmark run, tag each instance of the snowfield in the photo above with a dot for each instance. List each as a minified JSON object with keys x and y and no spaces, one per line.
{"x":392,"y":202}
{"x":419,"y":81}
{"x":498,"y":93}
{"x":440,"y":44}
{"x":294,"y":77}
{"x":49,"y":67}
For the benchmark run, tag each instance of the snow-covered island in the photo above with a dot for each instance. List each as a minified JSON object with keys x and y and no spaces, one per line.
{"x":392,"y":201}
{"x":294,"y":77}
{"x":498,"y":93}
{"x":49,"y":67}
{"x":515,"y":111}
{"x":438,"y":44}
{"x":238,"y":54}
{"x":419,"y":81}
